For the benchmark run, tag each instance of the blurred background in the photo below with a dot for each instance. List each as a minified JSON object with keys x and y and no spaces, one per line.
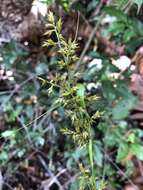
{"x":34,"y":153}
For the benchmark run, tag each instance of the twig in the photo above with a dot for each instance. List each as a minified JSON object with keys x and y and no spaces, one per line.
{"x":26,"y":129}
{"x":42,"y":161}
{"x":122,"y":173}
{"x":54,"y":106}
{"x":90,"y":38}
{"x":98,"y":8}
{"x":77,"y":27}
{"x":140,"y":167}
{"x":36,"y":115}
{"x":54,"y":179}
{"x":5,"y":92}
{"x":9,"y":186}
{"x":88,"y":42}
{"x":71,"y":180}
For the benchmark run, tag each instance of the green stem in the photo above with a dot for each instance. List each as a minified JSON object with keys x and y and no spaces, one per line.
{"x":90,"y":149}
{"x":59,"y":44}
{"x":91,"y":159}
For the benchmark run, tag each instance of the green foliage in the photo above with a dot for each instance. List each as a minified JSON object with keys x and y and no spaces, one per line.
{"x":94,"y":119}
{"x":77,"y":104}
{"x":125,"y":4}
{"x":65,"y":4}
{"x":125,"y":28}
{"x":138,"y":3}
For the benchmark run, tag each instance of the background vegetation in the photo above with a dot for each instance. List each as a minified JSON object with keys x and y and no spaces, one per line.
{"x":71,"y":95}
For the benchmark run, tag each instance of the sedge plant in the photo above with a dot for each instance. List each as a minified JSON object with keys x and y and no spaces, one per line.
{"x":72,"y":96}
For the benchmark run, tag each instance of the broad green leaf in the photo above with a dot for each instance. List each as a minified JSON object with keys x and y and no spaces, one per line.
{"x":81,"y":93}
{"x":123,"y":107}
{"x":131,"y":138}
{"x":9,"y":134}
{"x":3,"y":156}
{"x":115,"y":12}
{"x":20,"y":152}
{"x":123,"y":152}
{"x":117,"y":28}
{"x":137,"y":150}
{"x":40,"y":69}
{"x":98,"y":156}
{"x":79,"y":153}
{"x":128,"y":34}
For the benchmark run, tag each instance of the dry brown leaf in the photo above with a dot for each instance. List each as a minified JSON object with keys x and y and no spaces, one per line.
{"x":131,"y":187}
{"x":136,"y":85}
{"x":138,"y":60}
